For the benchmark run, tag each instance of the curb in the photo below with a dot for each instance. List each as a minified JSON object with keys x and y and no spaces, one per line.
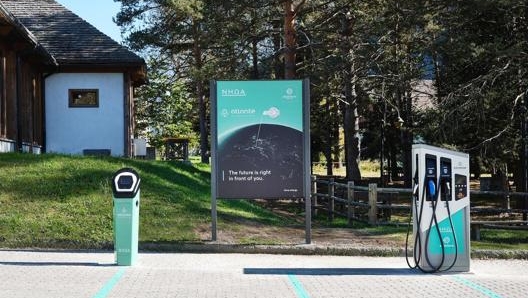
{"x":284,"y":249}
{"x":300,"y":249}
{"x":312,"y":249}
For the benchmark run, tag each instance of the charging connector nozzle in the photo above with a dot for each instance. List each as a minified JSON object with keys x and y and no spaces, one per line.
{"x":431,"y":188}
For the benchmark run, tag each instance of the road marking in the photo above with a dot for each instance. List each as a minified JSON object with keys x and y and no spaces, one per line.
{"x":477,"y":287}
{"x":297,"y":286}
{"x":105,"y":290}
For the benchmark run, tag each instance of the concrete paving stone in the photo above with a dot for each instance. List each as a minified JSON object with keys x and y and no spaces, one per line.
{"x":45,"y":274}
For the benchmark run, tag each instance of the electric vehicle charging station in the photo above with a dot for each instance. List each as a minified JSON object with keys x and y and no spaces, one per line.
{"x":440,"y":210}
{"x":125,"y":188}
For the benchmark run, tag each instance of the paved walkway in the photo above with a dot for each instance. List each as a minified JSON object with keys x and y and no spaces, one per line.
{"x":93,"y":275}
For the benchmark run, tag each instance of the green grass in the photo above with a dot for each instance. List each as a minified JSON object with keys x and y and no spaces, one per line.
{"x":66,"y":201}
{"x":57,"y":201}
{"x":501,"y":239}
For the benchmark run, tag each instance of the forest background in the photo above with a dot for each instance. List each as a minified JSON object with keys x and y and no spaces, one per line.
{"x":384,"y":74}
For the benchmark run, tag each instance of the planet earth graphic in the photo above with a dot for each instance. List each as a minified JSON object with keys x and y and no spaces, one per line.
{"x":272,"y":155}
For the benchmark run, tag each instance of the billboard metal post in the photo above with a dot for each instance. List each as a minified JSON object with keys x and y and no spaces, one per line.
{"x":307,"y":162}
{"x":213,"y":161}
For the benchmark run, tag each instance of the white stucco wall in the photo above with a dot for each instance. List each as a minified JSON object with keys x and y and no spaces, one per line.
{"x":71,"y":130}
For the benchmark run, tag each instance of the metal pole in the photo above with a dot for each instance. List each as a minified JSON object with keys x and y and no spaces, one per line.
{"x":214,"y":219}
{"x":308,"y":219}
{"x":307,"y":162}
{"x":214,"y":189}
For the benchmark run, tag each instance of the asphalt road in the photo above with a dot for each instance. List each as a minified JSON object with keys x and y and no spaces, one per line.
{"x":94,"y":275}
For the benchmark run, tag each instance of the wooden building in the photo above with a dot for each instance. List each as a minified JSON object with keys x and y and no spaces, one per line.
{"x":65,"y":87}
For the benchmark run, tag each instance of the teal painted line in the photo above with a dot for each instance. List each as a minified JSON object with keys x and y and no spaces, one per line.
{"x":297,"y":286}
{"x":104,"y":291}
{"x":477,"y":287}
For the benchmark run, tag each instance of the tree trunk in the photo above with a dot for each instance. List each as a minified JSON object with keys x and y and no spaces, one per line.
{"x":278,"y":72}
{"x":328,"y":145}
{"x":407,"y":139}
{"x":203,"y":126}
{"x":523,"y":185}
{"x":254,"y":58}
{"x":351,"y":129}
{"x":350,"y":111}
{"x":197,"y":53}
{"x":289,"y":40}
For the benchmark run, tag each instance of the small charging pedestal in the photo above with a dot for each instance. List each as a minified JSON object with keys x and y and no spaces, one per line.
{"x":125,"y":188}
{"x":440,"y":210}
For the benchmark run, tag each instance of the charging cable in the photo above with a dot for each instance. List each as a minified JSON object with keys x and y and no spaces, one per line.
{"x":448,"y":187}
{"x":434,"y":195}
{"x":430,"y":190}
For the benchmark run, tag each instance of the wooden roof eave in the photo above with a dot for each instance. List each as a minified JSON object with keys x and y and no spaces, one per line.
{"x":28,"y":36}
{"x":137,"y":71}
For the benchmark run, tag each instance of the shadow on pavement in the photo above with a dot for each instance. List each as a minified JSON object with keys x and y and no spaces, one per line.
{"x":331,"y":271}
{"x":49,"y":264}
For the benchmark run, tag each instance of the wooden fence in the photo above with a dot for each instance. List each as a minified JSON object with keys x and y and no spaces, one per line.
{"x":379,"y":203}
{"x":357,"y":200}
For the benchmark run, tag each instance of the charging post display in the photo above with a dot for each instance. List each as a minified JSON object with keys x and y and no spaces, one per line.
{"x":440,"y":210}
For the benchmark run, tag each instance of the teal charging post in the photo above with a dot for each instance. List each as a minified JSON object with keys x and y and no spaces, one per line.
{"x":125,"y":188}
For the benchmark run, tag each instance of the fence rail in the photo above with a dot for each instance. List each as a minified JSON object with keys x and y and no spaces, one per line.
{"x":379,"y":203}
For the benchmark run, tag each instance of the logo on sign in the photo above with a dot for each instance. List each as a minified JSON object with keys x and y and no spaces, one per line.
{"x":288,"y":94}
{"x":124,"y":212}
{"x":233,"y":92}
{"x":272,"y":112}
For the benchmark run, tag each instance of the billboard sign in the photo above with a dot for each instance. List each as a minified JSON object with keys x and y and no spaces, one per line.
{"x":260,"y":137}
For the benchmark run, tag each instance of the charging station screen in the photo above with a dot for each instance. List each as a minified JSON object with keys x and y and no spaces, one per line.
{"x":460,"y":186}
{"x":430,"y":163}
{"x":259,"y":139}
{"x":125,"y":182}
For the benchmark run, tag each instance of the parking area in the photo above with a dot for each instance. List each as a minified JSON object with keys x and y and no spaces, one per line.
{"x":93,"y":274}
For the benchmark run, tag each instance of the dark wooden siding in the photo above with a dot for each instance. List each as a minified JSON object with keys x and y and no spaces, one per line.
{"x":21,"y":98}
{"x":10,"y":83}
{"x":3,"y":101}
{"x":30,"y":104}
{"x":129,"y":113}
